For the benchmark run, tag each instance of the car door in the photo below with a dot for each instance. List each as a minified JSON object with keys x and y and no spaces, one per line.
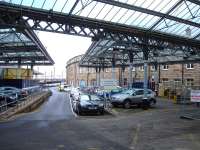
{"x":138,"y":96}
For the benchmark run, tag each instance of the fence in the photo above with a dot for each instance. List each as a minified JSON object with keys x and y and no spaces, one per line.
{"x":190,"y":100}
{"x":11,"y":99}
{"x":183,"y":95}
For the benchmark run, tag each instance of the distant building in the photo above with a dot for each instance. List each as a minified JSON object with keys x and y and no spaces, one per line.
{"x":187,"y":74}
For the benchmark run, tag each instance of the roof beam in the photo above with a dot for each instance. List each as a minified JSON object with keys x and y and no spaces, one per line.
{"x":16,"y":49}
{"x":25,"y":63}
{"x":173,"y":8}
{"x":197,"y":2}
{"x":74,"y":6}
{"x":66,"y":20}
{"x":148,"y":11}
{"x":31,"y":34}
{"x":23,"y":58}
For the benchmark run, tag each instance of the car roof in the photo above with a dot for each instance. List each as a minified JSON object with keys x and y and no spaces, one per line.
{"x":2,"y":87}
{"x":137,"y":89}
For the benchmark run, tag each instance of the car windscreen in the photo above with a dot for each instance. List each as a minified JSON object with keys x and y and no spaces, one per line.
{"x":84,"y":98}
{"x":94,"y":98}
{"x":127,"y":92}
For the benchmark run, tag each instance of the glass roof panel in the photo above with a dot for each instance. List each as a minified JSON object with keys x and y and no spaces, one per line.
{"x":38,"y":3}
{"x":97,"y":9}
{"x":88,"y":9}
{"x":126,"y":16}
{"x":27,"y":2}
{"x":176,"y":28}
{"x":102,"y":11}
{"x":111,"y":13}
{"x":16,"y":1}
{"x":68,"y":6}
{"x":119,"y":15}
{"x":49,"y":4}
{"x":157,"y":5}
{"x":187,"y":11}
{"x":59,"y":4}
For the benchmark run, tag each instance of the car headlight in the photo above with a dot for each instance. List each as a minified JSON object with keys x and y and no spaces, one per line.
{"x":115,"y":98}
{"x":101,"y":105}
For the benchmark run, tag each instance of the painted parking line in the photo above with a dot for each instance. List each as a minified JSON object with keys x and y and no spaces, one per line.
{"x":72,"y":107}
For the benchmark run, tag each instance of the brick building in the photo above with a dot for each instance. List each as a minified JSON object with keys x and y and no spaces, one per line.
{"x":188,"y":74}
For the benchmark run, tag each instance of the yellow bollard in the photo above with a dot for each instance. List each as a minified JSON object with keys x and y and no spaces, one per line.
{"x":175,"y":99}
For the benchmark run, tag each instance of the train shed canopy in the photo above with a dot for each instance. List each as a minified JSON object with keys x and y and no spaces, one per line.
{"x":123,"y":30}
{"x":22,"y":48}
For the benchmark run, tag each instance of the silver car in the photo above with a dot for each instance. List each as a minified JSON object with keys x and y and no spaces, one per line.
{"x":134,"y":97}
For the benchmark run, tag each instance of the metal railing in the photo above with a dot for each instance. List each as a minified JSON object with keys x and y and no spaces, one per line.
{"x":6,"y":103}
{"x":189,"y":109}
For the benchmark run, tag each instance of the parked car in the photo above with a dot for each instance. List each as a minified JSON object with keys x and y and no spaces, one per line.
{"x":75,"y":93}
{"x":67,"y":88}
{"x":9,"y":95}
{"x":61,"y":87}
{"x":89,"y":103}
{"x":134,"y":97}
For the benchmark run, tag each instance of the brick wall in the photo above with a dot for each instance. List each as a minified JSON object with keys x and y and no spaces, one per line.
{"x":174,"y":73}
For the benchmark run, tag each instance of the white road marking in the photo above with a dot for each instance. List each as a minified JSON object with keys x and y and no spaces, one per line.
{"x":135,"y":138}
{"x":71,"y":107}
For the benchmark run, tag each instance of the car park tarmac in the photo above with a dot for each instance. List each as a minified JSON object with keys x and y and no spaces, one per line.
{"x":55,"y":126}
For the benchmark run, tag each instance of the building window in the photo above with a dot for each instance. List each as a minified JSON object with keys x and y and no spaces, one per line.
{"x":81,"y":70}
{"x":141,"y":68}
{"x":125,"y":81}
{"x":165,"y":79}
{"x":107,"y":70}
{"x":91,"y":70}
{"x":153,"y":68}
{"x":189,"y":66}
{"x":177,"y":82}
{"x":165,"y":67}
{"x":189,"y":82}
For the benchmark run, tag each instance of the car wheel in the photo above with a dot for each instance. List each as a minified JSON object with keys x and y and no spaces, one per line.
{"x":127,"y":104}
{"x":114,"y":105}
{"x":145,"y":105}
{"x":79,"y":111}
{"x":152,"y":103}
{"x":102,"y":112}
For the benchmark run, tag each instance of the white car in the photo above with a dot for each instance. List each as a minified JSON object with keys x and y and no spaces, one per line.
{"x":75,"y":93}
{"x":67,"y":88}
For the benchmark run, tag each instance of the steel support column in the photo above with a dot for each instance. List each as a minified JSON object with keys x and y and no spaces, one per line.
{"x":123,"y":70}
{"x":130,"y":82}
{"x":113,"y":68}
{"x":182,"y":73}
{"x":156,"y":80}
{"x":145,"y":57}
{"x":18,"y":71}
{"x":130,"y":75}
{"x":98,"y":78}
{"x":113,"y":73}
{"x":145,"y":79}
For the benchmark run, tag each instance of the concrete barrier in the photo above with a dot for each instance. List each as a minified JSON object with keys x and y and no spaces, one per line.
{"x":32,"y":102}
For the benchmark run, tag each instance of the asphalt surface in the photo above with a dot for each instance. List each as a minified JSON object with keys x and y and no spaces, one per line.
{"x":54,"y":127}
{"x":57,"y":107}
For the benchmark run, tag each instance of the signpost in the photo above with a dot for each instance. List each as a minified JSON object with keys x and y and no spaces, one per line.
{"x":109,"y":84}
{"x":195,"y":95}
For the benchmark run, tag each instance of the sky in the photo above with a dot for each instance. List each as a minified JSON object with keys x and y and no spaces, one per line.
{"x":61,"y":48}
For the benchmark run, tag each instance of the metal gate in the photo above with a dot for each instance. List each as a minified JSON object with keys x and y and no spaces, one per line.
{"x":189,"y":99}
